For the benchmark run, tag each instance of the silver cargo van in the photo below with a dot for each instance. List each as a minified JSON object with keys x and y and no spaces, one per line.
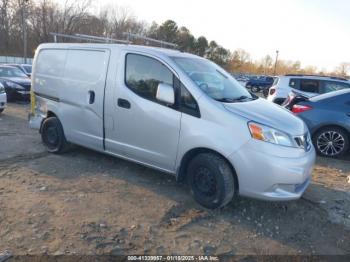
{"x":172,"y":111}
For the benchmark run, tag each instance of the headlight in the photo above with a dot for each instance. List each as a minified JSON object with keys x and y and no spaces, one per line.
{"x":14,"y":85}
{"x":269,"y":134}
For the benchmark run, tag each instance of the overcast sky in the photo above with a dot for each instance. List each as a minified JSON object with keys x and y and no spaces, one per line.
{"x":316,"y":32}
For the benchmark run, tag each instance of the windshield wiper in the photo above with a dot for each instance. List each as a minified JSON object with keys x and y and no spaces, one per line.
{"x":232,"y":100}
{"x":242,"y":98}
{"x":225,"y":100}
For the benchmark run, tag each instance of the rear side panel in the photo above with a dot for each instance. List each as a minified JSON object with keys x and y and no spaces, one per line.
{"x":72,"y":83}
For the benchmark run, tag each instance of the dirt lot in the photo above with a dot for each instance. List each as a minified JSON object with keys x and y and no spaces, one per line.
{"x":84,"y":202}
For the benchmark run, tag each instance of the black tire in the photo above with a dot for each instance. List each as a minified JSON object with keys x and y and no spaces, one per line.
{"x":211,"y":180}
{"x":255,"y":89}
{"x":2,"y":110}
{"x":52,"y":136}
{"x":335,"y":138}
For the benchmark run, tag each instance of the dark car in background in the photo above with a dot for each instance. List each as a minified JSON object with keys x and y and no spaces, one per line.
{"x":260,"y":83}
{"x":25,"y":68}
{"x":16,"y":83}
{"x":328,"y":119}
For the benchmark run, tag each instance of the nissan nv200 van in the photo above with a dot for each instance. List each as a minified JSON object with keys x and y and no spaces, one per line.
{"x":173,"y":111}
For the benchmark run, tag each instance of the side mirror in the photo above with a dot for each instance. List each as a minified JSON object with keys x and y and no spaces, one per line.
{"x":165,"y":93}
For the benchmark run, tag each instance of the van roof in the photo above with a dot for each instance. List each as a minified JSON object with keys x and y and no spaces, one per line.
{"x":140,"y":48}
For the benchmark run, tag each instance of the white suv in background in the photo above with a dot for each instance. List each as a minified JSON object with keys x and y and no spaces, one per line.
{"x":3,"y":98}
{"x":308,"y":85}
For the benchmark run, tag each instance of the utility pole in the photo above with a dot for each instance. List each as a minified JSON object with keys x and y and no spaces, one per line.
{"x":24,"y":28}
{"x":274,"y":71}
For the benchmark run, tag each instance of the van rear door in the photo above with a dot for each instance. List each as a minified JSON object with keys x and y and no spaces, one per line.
{"x":82,"y":96}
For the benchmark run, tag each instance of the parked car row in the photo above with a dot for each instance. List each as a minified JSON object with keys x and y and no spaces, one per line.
{"x":14,"y":85}
{"x":25,"y":68}
{"x":262,"y":83}
{"x":308,"y":85}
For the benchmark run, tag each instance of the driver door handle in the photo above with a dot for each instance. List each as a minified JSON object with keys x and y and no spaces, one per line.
{"x":91,"y":97}
{"x":124,"y":103}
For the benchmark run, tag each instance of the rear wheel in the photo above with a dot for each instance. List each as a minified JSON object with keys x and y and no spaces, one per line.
{"x":53,"y":136}
{"x":211,"y":180}
{"x":2,"y":110}
{"x":331,"y":142}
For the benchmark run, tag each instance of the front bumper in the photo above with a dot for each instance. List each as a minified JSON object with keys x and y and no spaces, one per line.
{"x":276,"y":176}
{"x":3,"y":100}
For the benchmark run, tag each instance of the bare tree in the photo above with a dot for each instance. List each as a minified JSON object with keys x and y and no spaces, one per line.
{"x":343,"y":69}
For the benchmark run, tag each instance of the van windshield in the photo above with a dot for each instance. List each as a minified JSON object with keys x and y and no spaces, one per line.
{"x":213,"y":80}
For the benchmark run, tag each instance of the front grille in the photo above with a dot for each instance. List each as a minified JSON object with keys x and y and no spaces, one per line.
{"x":304,"y":141}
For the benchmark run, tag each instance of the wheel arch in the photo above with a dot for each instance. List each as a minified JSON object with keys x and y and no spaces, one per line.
{"x":189,"y":155}
{"x":318,"y":128}
{"x":48,"y":114}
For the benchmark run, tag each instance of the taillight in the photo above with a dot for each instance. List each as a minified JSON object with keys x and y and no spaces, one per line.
{"x":272,"y":91}
{"x":296,"y":109}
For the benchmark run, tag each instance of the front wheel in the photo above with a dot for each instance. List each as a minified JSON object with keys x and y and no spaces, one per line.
{"x":2,"y":110}
{"x":211,"y":180}
{"x":52,"y":136}
{"x":331,"y":142}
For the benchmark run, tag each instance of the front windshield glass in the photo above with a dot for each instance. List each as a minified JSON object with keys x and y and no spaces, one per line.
{"x":11,"y":72}
{"x":213,"y":80}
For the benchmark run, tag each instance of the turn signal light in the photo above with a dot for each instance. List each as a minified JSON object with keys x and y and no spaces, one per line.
{"x":256,"y":131}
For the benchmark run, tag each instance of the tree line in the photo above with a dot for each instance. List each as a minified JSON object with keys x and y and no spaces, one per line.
{"x":80,"y":17}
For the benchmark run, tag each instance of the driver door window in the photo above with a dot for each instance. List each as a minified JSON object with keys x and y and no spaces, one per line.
{"x":143,"y":74}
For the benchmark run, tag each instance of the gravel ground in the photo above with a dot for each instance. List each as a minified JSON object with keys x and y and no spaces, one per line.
{"x":85,"y":202}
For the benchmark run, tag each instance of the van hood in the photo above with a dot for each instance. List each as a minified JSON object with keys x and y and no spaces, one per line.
{"x":270,"y":114}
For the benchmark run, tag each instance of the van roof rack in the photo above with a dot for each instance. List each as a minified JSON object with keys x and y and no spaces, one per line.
{"x":99,"y":39}
{"x":332,"y":77}
{"x":90,"y":38}
{"x":162,"y":43}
